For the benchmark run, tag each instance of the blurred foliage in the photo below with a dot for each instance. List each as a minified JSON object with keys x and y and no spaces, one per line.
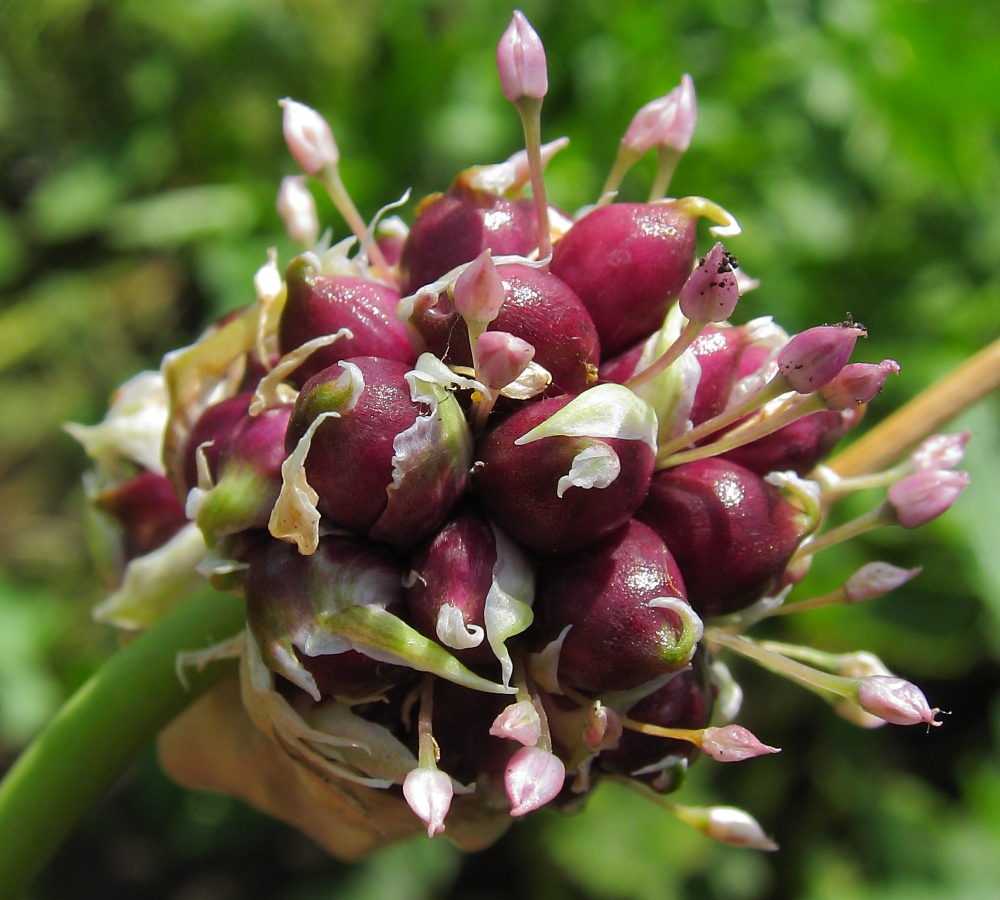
{"x":858,"y":142}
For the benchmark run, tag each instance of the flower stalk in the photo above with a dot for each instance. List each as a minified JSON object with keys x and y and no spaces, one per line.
{"x":101,"y":730}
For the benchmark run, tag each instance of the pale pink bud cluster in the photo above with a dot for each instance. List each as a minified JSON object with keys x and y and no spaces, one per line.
{"x":923,"y":496}
{"x":711,"y":292}
{"x":668,"y":121}
{"x":309,"y":137}
{"x":533,"y":777}
{"x":521,"y":61}
{"x":895,"y":700}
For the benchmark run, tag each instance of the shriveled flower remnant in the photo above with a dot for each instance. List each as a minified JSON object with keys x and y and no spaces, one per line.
{"x":498,"y":488}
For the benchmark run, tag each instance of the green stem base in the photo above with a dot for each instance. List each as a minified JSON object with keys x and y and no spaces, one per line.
{"x":101,"y":730}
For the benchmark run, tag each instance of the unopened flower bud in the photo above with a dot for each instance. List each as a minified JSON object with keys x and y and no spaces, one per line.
{"x":479,"y":292}
{"x":533,"y":778}
{"x":710,"y":294}
{"x":665,"y":122}
{"x":812,"y":358}
{"x":297,"y":209}
{"x":941,"y":451}
{"x":735,"y":827}
{"x":924,"y":495}
{"x":502,"y":358}
{"x":895,"y":700}
{"x":309,"y":137}
{"x":875,"y":579}
{"x":521,"y":61}
{"x":732,"y":743}
{"x":518,"y":722}
{"x":603,"y":729}
{"x":857,"y":383}
{"x":428,"y":793}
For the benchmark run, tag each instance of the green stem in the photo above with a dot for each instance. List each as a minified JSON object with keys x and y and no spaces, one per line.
{"x":100,"y":731}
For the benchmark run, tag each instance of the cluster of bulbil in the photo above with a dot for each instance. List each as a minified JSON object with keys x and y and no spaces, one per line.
{"x":500,"y":486}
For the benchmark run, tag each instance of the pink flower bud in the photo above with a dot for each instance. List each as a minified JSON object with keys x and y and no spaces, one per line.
{"x":502,"y":358}
{"x":518,"y":722}
{"x":813,"y":358}
{"x":533,"y":778}
{"x":309,"y":137}
{"x":665,"y":122}
{"x":857,"y":383}
{"x":603,"y":729}
{"x":737,"y":828}
{"x":732,"y":743}
{"x":710,"y":294}
{"x":875,"y":579}
{"x":895,"y":700}
{"x":479,"y":291}
{"x":941,"y":451}
{"x":521,"y":61}
{"x":924,"y":495}
{"x":297,"y":209}
{"x":428,"y":793}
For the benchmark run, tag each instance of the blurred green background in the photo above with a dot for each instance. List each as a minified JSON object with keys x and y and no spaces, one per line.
{"x":857,"y":141}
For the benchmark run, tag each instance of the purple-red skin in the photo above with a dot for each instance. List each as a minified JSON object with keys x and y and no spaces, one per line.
{"x":686,"y":701}
{"x":249,"y":474}
{"x":719,"y":351}
{"x":619,"y":369}
{"x":280,"y":587}
{"x":257,"y":442}
{"x":319,"y":305}
{"x":351,"y":673}
{"x":731,"y":532}
{"x":618,"y":641}
{"x":516,"y":483}
{"x":350,"y":461}
{"x":799,"y":446}
{"x":627,"y":262}
{"x":147,"y":509}
{"x":391,"y":246}
{"x":349,"y":464}
{"x":454,"y":567}
{"x":210,"y":429}
{"x":538,"y":308}
{"x":457,"y":226}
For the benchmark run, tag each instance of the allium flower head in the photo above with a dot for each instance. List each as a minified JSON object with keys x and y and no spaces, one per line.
{"x":497,"y":491}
